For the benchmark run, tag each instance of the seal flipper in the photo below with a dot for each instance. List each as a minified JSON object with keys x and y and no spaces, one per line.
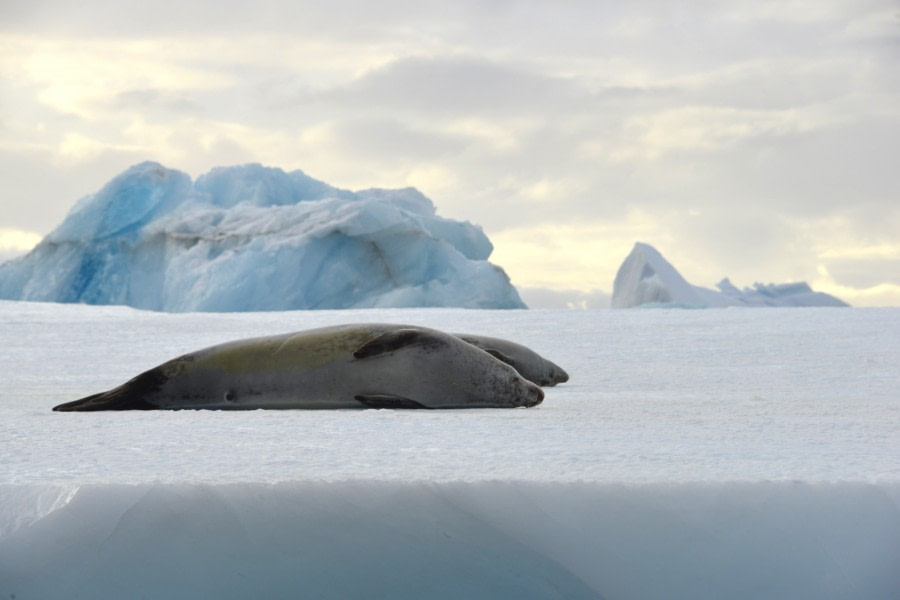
{"x":74,"y":404}
{"x":396,"y":339}
{"x":111,"y":400}
{"x":135,"y":394}
{"x":387,"y":401}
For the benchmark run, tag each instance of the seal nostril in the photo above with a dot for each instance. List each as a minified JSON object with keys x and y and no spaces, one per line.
{"x":229,"y":396}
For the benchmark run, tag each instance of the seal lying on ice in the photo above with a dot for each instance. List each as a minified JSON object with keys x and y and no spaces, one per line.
{"x":347,"y":366}
{"x":530,"y":365}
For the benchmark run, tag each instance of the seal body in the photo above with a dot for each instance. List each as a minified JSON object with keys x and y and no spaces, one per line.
{"x":530,"y":365}
{"x":347,"y":366}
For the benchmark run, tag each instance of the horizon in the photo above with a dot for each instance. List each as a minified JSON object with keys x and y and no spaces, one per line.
{"x":753,"y":143}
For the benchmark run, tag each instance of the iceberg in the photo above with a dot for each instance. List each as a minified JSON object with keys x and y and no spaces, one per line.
{"x":255,"y":238}
{"x":648,"y":279}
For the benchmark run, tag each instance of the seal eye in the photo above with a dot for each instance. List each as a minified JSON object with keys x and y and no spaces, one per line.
{"x":229,"y":396}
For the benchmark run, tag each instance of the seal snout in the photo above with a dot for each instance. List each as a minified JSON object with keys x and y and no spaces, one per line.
{"x":534,"y":395}
{"x":559,"y":375}
{"x":554,"y":374}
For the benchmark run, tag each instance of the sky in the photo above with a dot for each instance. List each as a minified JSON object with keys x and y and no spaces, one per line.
{"x":754,"y":140}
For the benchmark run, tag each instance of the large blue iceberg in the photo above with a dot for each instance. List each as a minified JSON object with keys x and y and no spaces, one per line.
{"x":257,"y":238}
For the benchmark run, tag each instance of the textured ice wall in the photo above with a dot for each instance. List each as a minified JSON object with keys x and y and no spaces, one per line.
{"x":255,"y":238}
{"x":484,"y":540}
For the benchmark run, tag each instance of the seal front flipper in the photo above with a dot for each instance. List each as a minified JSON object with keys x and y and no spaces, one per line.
{"x":392,"y":341}
{"x":387,"y":401}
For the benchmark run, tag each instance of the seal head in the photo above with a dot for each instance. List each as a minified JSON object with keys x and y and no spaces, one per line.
{"x":530,"y":365}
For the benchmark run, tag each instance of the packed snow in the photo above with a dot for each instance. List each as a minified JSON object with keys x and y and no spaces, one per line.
{"x":645,"y":278}
{"x":255,"y":238}
{"x":693,"y":454}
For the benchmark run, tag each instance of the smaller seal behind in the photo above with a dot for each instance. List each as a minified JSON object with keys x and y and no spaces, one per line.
{"x":530,"y":365}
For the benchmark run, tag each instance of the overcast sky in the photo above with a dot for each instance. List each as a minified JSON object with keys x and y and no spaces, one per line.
{"x":758,"y":140}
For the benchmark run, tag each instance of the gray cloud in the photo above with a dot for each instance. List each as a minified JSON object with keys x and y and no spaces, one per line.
{"x":455,"y":85}
{"x":389,"y":140}
{"x":155,"y":101}
{"x":866,"y":272}
{"x":814,"y":173}
{"x":36,"y":196}
{"x":357,"y":19}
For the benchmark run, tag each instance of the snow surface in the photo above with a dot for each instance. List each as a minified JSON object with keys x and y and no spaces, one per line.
{"x":645,"y":278}
{"x":693,"y":454}
{"x":256,"y":238}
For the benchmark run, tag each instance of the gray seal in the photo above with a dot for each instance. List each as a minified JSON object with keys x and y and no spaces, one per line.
{"x":346,"y":366}
{"x":530,"y":365}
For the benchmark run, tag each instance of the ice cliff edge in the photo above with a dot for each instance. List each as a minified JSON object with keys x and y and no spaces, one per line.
{"x":250,"y":238}
{"x":648,"y":279}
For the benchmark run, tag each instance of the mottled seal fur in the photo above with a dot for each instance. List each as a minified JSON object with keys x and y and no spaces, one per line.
{"x":346,"y":366}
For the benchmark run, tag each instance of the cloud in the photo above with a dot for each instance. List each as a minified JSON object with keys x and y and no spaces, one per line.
{"x":752,"y":140}
{"x":14,"y":242}
{"x":881,"y":294}
{"x":82,"y":77}
{"x":850,"y":251}
{"x":453,"y":85}
{"x":708,"y":128}
{"x":386,"y":138}
{"x":155,"y":100}
{"x":771,"y":83}
{"x":367,"y":152}
{"x":864,"y":273}
{"x":581,"y":256}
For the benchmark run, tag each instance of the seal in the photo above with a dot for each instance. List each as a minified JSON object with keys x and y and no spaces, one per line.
{"x":346,"y":366}
{"x":530,"y":365}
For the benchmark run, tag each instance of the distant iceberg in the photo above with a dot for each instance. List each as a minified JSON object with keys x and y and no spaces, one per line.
{"x":648,"y":279}
{"x":253,"y":238}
